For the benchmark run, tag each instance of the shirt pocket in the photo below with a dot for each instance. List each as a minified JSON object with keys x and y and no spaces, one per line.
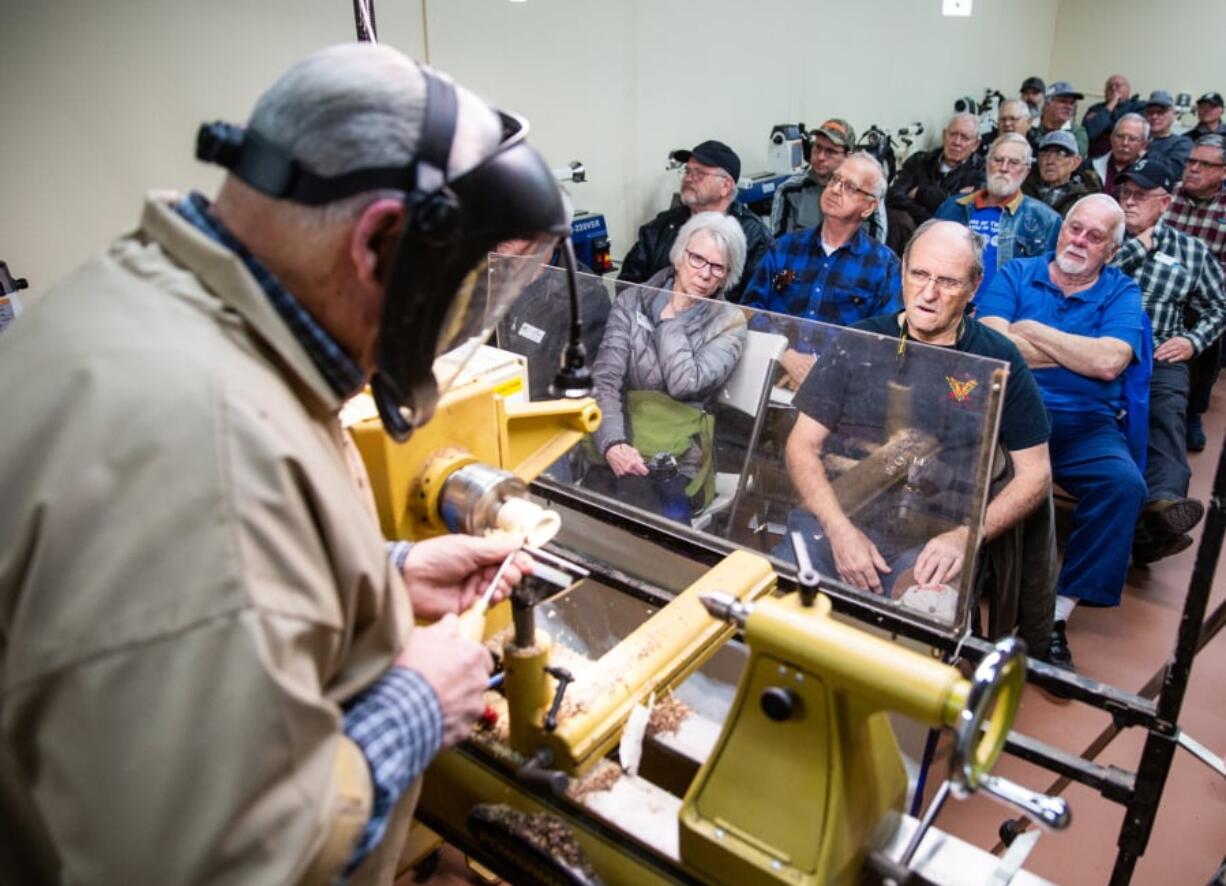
{"x":844,"y":305}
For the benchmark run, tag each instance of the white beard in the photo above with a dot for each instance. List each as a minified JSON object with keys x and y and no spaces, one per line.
{"x":1001,"y":186}
{"x":1071,"y":264}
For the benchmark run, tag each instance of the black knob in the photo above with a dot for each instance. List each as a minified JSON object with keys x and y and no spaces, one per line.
{"x":779,"y":704}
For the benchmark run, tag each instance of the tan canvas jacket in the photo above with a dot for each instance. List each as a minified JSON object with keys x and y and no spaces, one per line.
{"x":191,"y":581}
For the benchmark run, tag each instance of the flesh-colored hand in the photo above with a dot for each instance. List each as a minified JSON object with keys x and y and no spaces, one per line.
{"x":1175,"y":349}
{"x":796,"y":367}
{"x":458,"y":671}
{"x":448,"y":573}
{"x":857,"y":558}
{"x":940,"y":562}
{"x":624,"y":459}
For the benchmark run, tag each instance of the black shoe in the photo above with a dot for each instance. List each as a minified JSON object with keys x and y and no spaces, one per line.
{"x":1058,"y":652}
{"x":1152,"y":550}
{"x":1196,"y":434}
{"x":1166,"y":517}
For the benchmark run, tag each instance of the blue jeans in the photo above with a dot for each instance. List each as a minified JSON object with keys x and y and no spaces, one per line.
{"x":1166,"y":467}
{"x":1090,"y":459}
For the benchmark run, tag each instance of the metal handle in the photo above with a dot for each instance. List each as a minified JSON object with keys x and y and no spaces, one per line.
{"x":1050,"y":812}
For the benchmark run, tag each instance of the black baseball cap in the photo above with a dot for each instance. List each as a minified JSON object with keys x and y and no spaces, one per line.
{"x":713,"y":153}
{"x":1033,"y":83}
{"x":1151,"y":172}
{"x":1211,"y":98}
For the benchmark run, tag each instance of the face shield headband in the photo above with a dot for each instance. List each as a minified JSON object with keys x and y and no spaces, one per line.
{"x":440,"y":296}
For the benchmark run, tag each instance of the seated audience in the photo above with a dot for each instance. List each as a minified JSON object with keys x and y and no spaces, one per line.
{"x":1163,"y":142}
{"x":929,"y":177}
{"x":941,"y":270}
{"x":1032,"y":92}
{"x":1199,"y":209}
{"x":1012,"y":224}
{"x":1059,"y":112}
{"x":1101,"y":117}
{"x":708,"y":184}
{"x":1013,"y":115}
{"x":834,"y":273}
{"x":1176,"y":272}
{"x":798,"y":202}
{"x":1058,"y":179}
{"x":669,"y":345}
{"x":1208,"y":117}
{"x":1078,"y":323}
{"x":1128,"y":141}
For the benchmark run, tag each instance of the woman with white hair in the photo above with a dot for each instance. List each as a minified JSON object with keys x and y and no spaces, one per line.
{"x":669,"y":345}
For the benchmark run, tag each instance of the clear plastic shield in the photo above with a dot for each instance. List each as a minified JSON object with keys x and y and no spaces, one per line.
{"x":700,"y":398}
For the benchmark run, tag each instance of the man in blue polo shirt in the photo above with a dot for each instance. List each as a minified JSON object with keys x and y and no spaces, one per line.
{"x":1079,"y":325}
{"x":834,"y":273}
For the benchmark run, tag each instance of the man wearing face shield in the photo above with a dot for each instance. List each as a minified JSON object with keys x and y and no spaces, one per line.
{"x":208,"y":662}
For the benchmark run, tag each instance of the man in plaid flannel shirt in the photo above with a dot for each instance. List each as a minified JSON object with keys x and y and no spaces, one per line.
{"x":834,"y":273}
{"x":1176,"y":272}
{"x":1199,"y":209}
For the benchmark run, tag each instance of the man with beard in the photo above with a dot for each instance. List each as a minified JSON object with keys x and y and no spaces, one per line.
{"x":1031,"y":92}
{"x":798,"y":202}
{"x":1012,"y":224}
{"x":708,"y":184}
{"x":1102,"y":116}
{"x":1058,"y":179}
{"x":1058,"y":113}
{"x":929,"y":177}
{"x":1163,"y":142}
{"x":1078,"y":324}
{"x":1177,"y":273}
{"x":833,"y":274}
{"x":1128,"y":142}
{"x":1199,"y":209}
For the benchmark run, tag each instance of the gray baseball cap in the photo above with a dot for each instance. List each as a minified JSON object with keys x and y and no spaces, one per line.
{"x":1063,"y":87}
{"x":1061,"y":138}
{"x":1160,"y":98}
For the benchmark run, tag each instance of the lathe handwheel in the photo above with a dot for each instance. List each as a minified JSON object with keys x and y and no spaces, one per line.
{"x":994,"y":696}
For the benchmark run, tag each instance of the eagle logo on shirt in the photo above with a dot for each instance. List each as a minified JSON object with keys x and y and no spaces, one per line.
{"x":959,"y":391}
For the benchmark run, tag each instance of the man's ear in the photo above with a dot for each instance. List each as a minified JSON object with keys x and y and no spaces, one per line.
{"x":373,"y":239}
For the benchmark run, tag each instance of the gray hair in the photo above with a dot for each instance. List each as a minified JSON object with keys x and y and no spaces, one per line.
{"x":878,"y":171}
{"x":728,"y":235}
{"x":1012,"y":138}
{"x":1134,"y":117}
{"x":974,"y":243}
{"x":1117,"y":233}
{"x":1213,"y":141}
{"x":1013,"y":101}
{"x":360,"y":105}
{"x":962,"y":115}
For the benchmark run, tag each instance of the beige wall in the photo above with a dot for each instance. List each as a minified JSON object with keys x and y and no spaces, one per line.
{"x":1176,"y":45}
{"x":101,"y":100}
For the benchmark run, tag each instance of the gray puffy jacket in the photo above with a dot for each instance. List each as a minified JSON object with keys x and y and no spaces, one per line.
{"x":687,"y":357}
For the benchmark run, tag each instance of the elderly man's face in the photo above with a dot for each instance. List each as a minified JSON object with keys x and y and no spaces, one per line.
{"x":851,"y":194}
{"x":702,"y":185}
{"x":1007,"y":169}
{"x":1142,"y":206}
{"x":1205,"y":171}
{"x":1160,"y":120}
{"x":961,"y":140}
{"x":1059,"y":110}
{"x":1014,"y":116}
{"x":703,"y":266}
{"x":1127,"y":142}
{"x":1086,"y":240}
{"x":1209,"y":114}
{"x":1056,"y":166}
{"x":936,"y":285}
{"x":1117,"y":87}
{"x":825,"y":157}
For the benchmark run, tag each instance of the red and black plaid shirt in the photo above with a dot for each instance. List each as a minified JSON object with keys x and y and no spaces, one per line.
{"x":1205,"y":219}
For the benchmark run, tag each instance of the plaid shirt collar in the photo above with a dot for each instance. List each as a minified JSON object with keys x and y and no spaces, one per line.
{"x":340,"y":370}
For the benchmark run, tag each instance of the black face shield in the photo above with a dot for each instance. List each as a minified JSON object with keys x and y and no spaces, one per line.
{"x":440,"y":295}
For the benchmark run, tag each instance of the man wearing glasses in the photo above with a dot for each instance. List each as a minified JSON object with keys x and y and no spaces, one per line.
{"x":929,"y":177}
{"x":1012,"y":224}
{"x":834,"y":273}
{"x":1199,"y":209}
{"x":1176,"y":272}
{"x":798,"y":202}
{"x":708,"y":184}
{"x":1129,"y":139}
{"x":1078,"y":323}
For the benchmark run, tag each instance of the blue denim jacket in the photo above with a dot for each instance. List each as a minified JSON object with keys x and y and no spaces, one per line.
{"x":1028,"y":227}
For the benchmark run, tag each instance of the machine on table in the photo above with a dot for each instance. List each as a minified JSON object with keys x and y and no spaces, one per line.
{"x":796,"y":775}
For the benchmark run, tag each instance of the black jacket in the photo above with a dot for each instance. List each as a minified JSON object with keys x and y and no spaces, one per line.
{"x":650,"y":252}
{"x":1082,"y":183}
{"x":922,"y":171}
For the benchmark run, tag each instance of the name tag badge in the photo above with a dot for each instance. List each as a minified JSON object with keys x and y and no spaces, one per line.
{"x":641,"y":319}
{"x":1163,"y":259}
{"x":534,"y":334}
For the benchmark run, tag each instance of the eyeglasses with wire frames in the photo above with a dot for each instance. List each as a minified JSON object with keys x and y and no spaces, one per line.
{"x":698,"y":263}
{"x":1193,"y":162}
{"x":1007,"y":162}
{"x":944,"y":285}
{"x":688,"y":171}
{"x":843,"y":184}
